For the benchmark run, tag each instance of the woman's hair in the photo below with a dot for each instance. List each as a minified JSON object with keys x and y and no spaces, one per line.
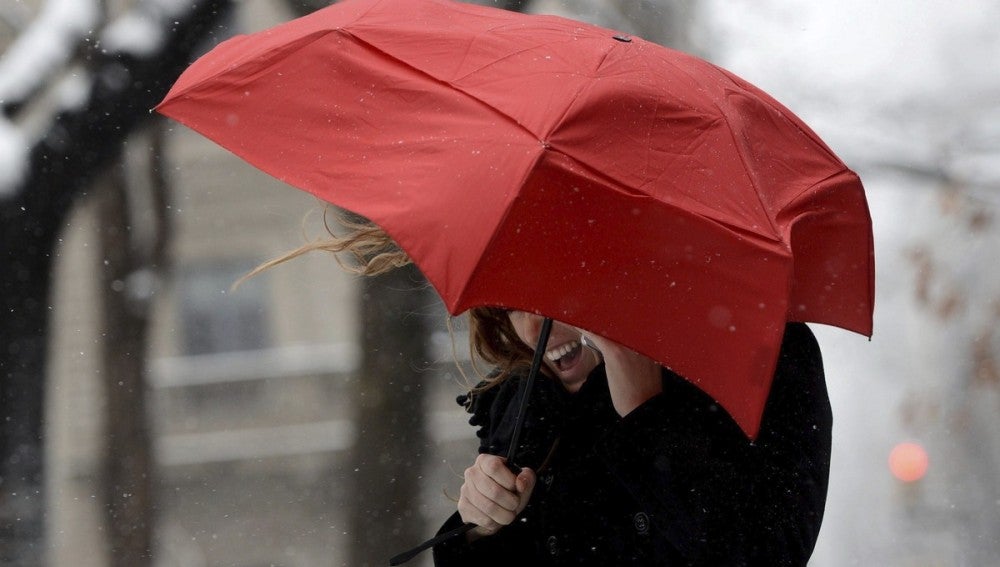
{"x":370,"y":251}
{"x":492,"y":339}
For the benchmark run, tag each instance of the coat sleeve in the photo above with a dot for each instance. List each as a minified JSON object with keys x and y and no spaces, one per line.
{"x":502,"y":549}
{"x":712,"y":495}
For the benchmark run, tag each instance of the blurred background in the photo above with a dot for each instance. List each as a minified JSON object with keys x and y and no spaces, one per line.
{"x":152,"y":416}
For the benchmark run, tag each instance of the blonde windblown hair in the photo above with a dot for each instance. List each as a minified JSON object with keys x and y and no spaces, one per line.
{"x":363,"y":248}
{"x":369,"y":249}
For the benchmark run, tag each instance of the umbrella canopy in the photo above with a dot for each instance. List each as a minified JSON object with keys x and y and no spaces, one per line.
{"x":540,"y":163}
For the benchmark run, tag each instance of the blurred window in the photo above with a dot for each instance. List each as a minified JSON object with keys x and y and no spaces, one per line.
{"x":214,"y":319}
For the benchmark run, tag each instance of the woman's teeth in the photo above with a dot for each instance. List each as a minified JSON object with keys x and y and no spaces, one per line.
{"x":561,"y":351}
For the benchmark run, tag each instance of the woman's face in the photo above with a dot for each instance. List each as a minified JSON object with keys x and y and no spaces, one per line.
{"x":565,"y":355}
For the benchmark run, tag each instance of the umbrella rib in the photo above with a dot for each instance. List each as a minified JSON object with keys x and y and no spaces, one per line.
{"x":541,"y":144}
{"x":795,"y":198}
{"x":752,"y":181}
{"x":542,"y":140}
{"x":729,"y":126}
{"x":496,"y":229}
{"x":451,"y":85}
{"x":495,"y":61}
{"x":613,"y":183}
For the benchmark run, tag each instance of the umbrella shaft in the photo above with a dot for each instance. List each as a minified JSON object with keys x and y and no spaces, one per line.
{"x":526,"y":387}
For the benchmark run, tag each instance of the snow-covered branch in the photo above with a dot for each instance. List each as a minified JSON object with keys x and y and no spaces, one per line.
{"x":43,"y":67}
{"x":143,"y":30}
{"x":13,"y":157}
{"x":45,"y":48}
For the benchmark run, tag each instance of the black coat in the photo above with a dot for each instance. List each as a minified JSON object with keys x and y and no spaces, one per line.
{"x":675,"y":482}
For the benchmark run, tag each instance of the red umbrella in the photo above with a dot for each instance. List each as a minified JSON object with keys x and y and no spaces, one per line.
{"x":543,"y":164}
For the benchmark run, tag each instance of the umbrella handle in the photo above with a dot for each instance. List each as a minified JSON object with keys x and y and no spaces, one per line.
{"x":522,"y":407}
{"x":407,"y":555}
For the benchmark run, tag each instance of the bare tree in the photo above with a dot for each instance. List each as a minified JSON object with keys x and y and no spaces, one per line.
{"x":116,"y":84}
{"x":389,"y":452}
{"x":134,"y":232}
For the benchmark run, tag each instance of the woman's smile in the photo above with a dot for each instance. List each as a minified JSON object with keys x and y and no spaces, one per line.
{"x":566,"y":356}
{"x":568,"y":360}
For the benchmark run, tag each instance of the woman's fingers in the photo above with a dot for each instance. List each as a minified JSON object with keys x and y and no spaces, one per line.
{"x":492,"y":495}
{"x":471,"y":514}
{"x":489,"y":487}
{"x":476,"y":508}
{"x":496,"y":469}
{"x":494,"y":481}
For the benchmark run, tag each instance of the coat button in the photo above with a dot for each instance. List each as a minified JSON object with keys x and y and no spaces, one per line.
{"x":553,"y":545}
{"x":641,"y":523}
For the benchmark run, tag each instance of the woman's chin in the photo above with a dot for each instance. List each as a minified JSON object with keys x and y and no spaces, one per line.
{"x":574,"y":372}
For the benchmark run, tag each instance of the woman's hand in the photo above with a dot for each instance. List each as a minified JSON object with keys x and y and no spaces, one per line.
{"x":632,"y":377}
{"x":492,"y":496}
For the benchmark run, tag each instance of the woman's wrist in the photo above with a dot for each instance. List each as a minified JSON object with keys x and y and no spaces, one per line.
{"x":476,"y":533}
{"x":633,"y":387}
{"x":632,"y":378}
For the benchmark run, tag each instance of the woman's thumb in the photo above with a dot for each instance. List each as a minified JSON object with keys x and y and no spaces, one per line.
{"x":525,"y":481}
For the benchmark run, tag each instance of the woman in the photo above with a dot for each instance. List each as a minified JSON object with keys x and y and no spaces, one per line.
{"x":628,"y":464}
{"x":621,"y":461}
